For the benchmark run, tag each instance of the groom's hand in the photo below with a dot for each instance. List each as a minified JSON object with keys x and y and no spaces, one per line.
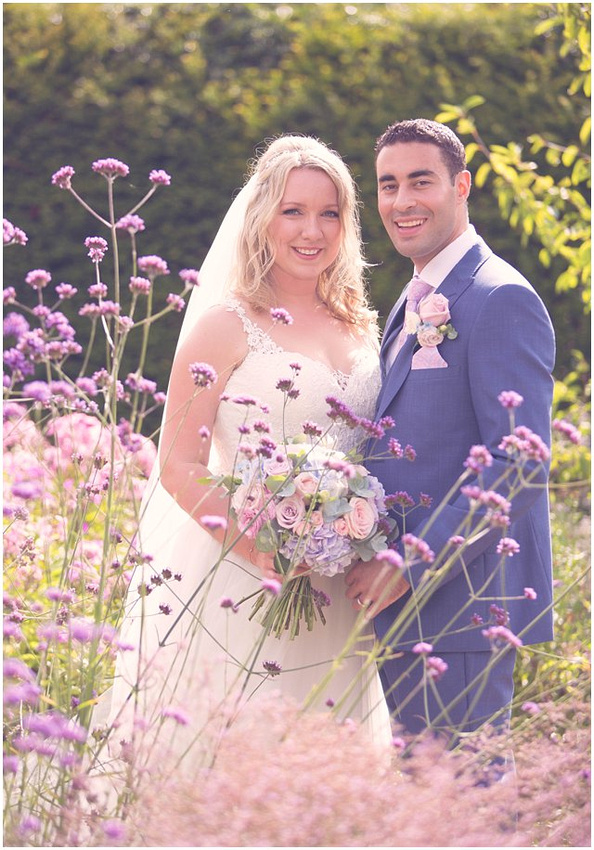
{"x":374,"y":585}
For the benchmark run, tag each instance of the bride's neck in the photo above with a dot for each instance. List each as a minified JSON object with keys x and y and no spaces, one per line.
{"x":301,"y":299}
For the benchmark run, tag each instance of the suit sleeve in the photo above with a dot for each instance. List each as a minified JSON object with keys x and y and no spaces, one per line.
{"x":511,"y":347}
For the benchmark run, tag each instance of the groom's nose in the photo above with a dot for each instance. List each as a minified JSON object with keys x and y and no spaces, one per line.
{"x":403,"y":199}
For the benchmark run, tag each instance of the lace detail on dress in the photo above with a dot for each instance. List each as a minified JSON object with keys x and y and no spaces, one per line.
{"x":258,"y":340}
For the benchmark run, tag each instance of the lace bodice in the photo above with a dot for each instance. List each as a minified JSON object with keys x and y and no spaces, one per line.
{"x":257,"y":377}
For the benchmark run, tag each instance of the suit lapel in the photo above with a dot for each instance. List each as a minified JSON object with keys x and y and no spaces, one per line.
{"x":452,"y":287}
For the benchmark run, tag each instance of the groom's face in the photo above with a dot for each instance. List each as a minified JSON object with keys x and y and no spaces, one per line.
{"x":423,"y":209}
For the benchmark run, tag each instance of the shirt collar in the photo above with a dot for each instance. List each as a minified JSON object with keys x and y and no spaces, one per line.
{"x":437,"y":269}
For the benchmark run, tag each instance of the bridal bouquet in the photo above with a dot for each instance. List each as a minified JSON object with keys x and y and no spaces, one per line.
{"x":317,"y":511}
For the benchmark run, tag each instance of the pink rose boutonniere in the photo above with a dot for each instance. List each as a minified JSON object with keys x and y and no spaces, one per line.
{"x":434,"y":321}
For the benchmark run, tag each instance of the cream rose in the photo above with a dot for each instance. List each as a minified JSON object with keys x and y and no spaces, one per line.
{"x":361,"y":518}
{"x":434,"y":310}
{"x":306,"y":484}
{"x":428,"y":336}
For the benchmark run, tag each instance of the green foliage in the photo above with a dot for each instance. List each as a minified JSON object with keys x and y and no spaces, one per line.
{"x":562,"y":668}
{"x":544,"y":192}
{"x":195,"y":88}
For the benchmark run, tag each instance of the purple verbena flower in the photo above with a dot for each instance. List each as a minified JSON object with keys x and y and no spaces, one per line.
{"x":456,"y":541}
{"x":97,"y":248}
{"x":97,"y":290}
{"x":132,"y":223}
{"x":498,"y":634}
{"x":272,"y":585}
{"x":422,"y":648}
{"x":273,"y":668}
{"x":311,"y":429}
{"x":569,"y":430}
{"x":508,"y":546}
{"x":401,"y":497}
{"x":530,"y":593}
{"x":191,"y":277}
{"x":65,"y":290}
{"x":499,"y":614}
{"x":410,"y":453}
{"x":113,"y":829}
{"x":9,"y":295}
{"x":435,"y":667}
{"x":15,"y":325}
{"x":63,"y":177}
{"x":478,"y":459}
{"x":390,"y":556}
{"x":395,"y":448}
{"x":38,"y":278}
{"x":139,"y":285}
{"x":279,"y":314}
{"x":203,"y":374}
{"x":531,"y":708}
{"x":510,"y":399}
{"x":110,"y":168}
{"x":152,"y":265}
{"x":176,"y":301}
{"x":159,"y":177}
{"x":418,"y":548}
{"x":178,"y":714}
{"x":213,"y":522}
{"x":13,"y":235}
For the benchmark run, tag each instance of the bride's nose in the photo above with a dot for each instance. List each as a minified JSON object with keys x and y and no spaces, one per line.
{"x":311,"y":228}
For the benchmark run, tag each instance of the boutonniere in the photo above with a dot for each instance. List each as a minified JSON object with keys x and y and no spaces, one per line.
{"x":432,"y":323}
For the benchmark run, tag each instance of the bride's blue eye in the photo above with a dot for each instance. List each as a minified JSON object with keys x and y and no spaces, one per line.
{"x":332,"y":214}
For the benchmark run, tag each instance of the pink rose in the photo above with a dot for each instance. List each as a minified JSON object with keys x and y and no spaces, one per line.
{"x":306,"y":484}
{"x":290,"y":511}
{"x":361,"y":518}
{"x":341,"y":527}
{"x":433,"y":310}
{"x":428,"y":336}
{"x":251,"y":508}
{"x":306,"y":526}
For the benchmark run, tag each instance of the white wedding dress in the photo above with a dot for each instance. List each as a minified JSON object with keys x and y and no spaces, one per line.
{"x":214,"y":654}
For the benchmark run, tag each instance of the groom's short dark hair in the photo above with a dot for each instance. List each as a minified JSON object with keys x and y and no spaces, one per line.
{"x":430,"y":132}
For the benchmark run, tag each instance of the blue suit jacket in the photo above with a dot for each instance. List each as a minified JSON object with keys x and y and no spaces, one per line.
{"x":505,"y":342}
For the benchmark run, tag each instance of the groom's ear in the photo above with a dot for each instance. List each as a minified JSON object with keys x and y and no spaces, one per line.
{"x":462,"y":183}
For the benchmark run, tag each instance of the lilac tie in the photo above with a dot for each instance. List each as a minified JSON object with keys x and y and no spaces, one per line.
{"x":417,"y":289}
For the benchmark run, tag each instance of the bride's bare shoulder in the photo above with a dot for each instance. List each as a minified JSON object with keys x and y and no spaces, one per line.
{"x":219,"y":329}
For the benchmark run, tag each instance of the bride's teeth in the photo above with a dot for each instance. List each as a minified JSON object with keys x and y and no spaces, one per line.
{"x":309,"y":252}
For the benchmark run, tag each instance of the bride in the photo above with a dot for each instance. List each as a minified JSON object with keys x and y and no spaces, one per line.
{"x":290,"y":241}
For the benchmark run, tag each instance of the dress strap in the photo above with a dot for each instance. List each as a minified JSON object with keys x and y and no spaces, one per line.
{"x":257,"y":338}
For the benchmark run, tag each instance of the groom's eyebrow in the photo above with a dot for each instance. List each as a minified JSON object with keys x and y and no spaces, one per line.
{"x":421,"y":172}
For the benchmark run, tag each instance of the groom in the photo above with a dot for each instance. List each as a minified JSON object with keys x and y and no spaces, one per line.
{"x":444,"y":393}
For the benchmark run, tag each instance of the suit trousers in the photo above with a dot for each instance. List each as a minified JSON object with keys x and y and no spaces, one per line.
{"x":475,"y":688}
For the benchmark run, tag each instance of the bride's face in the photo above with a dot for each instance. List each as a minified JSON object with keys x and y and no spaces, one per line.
{"x":305,"y":231}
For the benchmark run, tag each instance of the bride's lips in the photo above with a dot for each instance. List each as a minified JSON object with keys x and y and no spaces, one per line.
{"x":307,"y":253}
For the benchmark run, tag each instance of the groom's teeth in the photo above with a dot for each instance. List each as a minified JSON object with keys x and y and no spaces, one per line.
{"x":409,"y":223}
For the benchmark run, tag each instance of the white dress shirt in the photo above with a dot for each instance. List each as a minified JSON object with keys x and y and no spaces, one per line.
{"x":437,"y":269}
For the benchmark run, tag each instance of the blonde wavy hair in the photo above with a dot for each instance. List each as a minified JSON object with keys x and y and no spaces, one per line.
{"x":342,"y":286}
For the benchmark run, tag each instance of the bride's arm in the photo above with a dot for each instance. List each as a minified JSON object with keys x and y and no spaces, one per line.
{"x":218,"y":340}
